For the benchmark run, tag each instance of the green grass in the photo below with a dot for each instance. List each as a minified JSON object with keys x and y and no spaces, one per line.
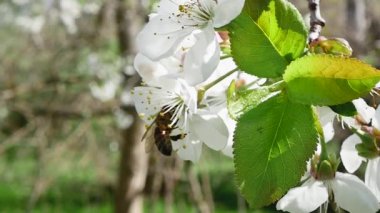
{"x":79,"y":190}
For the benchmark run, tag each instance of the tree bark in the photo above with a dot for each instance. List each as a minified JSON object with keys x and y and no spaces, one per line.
{"x":134,"y":161}
{"x":133,"y":170}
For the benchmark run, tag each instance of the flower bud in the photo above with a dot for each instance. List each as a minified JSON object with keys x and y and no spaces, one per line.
{"x":325,"y":169}
{"x":333,"y":46}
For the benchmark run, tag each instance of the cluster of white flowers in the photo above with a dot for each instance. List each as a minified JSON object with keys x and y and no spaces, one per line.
{"x":184,"y":78}
{"x":179,"y":56}
{"x":369,"y":118}
{"x":349,"y":192}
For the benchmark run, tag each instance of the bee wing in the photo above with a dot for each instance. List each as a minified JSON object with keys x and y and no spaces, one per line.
{"x":149,"y":137}
{"x":148,"y":129}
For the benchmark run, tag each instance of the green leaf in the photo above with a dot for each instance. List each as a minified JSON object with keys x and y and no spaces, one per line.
{"x":267,"y":36}
{"x":272,"y":144}
{"x":242,"y":100}
{"x":329,"y":80}
{"x":347,"y":109}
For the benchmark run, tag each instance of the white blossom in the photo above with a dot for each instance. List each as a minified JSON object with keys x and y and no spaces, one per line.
{"x":372,"y":176}
{"x":172,"y":86}
{"x":177,"y":19}
{"x":105,"y":91}
{"x":365,"y":114}
{"x":69,"y":13}
{"x":200,"y":126}
{"x":217,"y":99}
{"x":349,"y":155}
{"x":123,"y":119}
{"x":183,"y":64}
{"x":327,"y":116}
{"x":349,"y":192}
{"x":352,"y":160}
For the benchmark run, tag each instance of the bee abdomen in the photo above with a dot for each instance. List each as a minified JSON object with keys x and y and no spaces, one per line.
{"x":163,"y":142}
{"x":165,"y":148}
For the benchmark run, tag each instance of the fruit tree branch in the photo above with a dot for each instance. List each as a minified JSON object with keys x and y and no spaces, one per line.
{"x":316,"y":20}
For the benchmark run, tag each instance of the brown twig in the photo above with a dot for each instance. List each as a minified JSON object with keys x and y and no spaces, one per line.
{"x":316,"y":20}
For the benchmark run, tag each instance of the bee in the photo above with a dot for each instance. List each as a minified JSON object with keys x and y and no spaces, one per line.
{"x":160,"y":132}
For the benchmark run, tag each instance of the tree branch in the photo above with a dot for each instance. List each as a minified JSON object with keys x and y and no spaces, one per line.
{"x":316,"y":20}
{"x":67,"y":112}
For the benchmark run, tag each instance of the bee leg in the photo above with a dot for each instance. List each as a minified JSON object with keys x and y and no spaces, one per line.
{"x":177,"y":137}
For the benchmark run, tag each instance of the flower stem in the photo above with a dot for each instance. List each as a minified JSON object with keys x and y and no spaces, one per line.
{"x":202,"y":90}
{"x":324,"y":154}
{"x":225,"y":57}
{"x":277,"y":86}
{"x":221,"y":78}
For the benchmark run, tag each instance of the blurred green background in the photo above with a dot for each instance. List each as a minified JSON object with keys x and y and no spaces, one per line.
{"x":66,"y":114}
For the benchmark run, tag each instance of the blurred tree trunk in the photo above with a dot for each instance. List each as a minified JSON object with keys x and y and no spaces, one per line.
{"x":357,"y":24}
{"x":133,"y":163}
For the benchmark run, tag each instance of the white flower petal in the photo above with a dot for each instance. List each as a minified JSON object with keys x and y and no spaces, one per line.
{"x":365,"y":111}
{"x":325,"y":114}
{"x":202,"y":59}
{"x":305,"y":198}
{"x":169,"y":6}
{"x":210,"y":129}
{"x":231,"y":125}
{"x":376,"y":119}
{"x":146,"y":102}
{"x":149,"y":70}
{"x":160,"y":37}
{"x":328,"y":131}
{"x":173,"y":64}
{"x":372,"y":176}
{"x":352,"y":195}
{"x":208,"y":5}
{"x":350,"y":157}
{"x":188,"y":94}
{"x":226,"y":11}
{"x":326,"y":117}
{"x":188,"y":149}
{"x":223,"y":67}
